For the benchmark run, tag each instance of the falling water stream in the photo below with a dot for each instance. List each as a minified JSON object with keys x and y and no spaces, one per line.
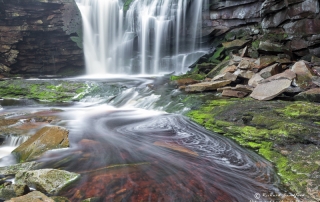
{"x":149,"y":37}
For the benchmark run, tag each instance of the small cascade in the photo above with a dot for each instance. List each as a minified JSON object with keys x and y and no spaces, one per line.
{"x":141,"y":36}
{"x":15,"y":141}
{"x":9,"y":144}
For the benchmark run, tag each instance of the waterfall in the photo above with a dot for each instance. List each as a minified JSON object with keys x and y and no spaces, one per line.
{"x":141,"y":36}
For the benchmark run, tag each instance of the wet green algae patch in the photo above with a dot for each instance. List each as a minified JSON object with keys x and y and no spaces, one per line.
{"x":285,"y":133}
{"x":50,"y":90}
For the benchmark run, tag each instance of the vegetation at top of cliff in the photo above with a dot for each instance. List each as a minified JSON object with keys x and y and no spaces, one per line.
{"x":285,"y":133}
{"x":43,"y":90}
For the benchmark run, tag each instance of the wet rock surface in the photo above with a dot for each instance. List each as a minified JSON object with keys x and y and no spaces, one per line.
{"x":47,"y":138}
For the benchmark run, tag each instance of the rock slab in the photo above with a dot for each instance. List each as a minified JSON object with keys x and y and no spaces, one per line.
{"x":269,"y":90}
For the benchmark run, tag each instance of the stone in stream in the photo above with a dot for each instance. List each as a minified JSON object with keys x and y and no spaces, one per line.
{"x":13,"y":169}
{"x":34,"y":196}
{"x":270,"y":90}
{"x":47,"y":138}
{"x":49,"y":181}
{"x":8,"y":191}
{"x":206,"y":86}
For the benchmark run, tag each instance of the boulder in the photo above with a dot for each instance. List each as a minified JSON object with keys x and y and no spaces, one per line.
{"x":206,"y":86}
{"x":34,"y":196}
{"x":47,"y":138}
{"x":8,"y":191}
{"x":303,"y":72}
{"x":49,"y":181}
{"x":270,"y":90}
{"x":312,"y":95}
{"x":13,"y":169}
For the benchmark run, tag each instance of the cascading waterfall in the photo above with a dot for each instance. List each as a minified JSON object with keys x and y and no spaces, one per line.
{"x":147,"y":37}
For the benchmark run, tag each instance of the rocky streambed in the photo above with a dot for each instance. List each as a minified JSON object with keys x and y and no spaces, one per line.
{"x":286,"y":133}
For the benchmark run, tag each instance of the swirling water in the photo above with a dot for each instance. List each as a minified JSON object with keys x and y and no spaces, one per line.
{"x":126,"y":153}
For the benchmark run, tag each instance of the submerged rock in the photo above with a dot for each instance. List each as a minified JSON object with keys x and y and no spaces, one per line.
{"x":49,"y":181}
{"x":48,"y":138}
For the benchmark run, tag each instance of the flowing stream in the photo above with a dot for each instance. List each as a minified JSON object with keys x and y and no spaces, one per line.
{"x":127,"y":148}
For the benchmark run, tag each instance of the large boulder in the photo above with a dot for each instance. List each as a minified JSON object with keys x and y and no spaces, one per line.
{"x":47,"y":138}
{"x":49,"y":181}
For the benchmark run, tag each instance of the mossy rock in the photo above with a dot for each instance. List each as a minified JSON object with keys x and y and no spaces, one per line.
{"x":50,"y":181}
{"x":45,"y":139}
{"x":275,"y":130}
{"x":53,"y":91}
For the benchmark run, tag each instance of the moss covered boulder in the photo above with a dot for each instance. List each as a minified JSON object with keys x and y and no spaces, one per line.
{"x":50,"y":90}
{"x":285,"y":133}
{"x":47,"y":138}
{"x":49,"y":181}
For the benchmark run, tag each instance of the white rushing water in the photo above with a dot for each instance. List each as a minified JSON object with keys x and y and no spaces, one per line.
{"x":141,"y":36}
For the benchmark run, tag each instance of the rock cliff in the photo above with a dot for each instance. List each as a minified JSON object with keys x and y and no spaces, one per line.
{"x":295,"y":22}
{"x":35,"y":36}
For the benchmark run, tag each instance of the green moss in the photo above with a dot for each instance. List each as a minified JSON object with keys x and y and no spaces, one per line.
{"x":267,"y":129}
{"x":40,"y":90}
{"x":216,"y":55}
{"x":301,"y":110}
{"x":255,"y":44}
{"x":187,"y":76}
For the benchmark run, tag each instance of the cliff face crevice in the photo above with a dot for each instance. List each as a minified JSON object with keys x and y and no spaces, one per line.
{"x":35,"y":36}
{"x":296,"y":20}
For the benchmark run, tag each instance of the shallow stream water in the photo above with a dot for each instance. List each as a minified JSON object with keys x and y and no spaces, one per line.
{"x":127,"y":148}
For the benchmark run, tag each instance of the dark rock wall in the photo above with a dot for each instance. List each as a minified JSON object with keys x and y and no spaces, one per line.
{"x":35,"y":36}
{"x":297,"y":20}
